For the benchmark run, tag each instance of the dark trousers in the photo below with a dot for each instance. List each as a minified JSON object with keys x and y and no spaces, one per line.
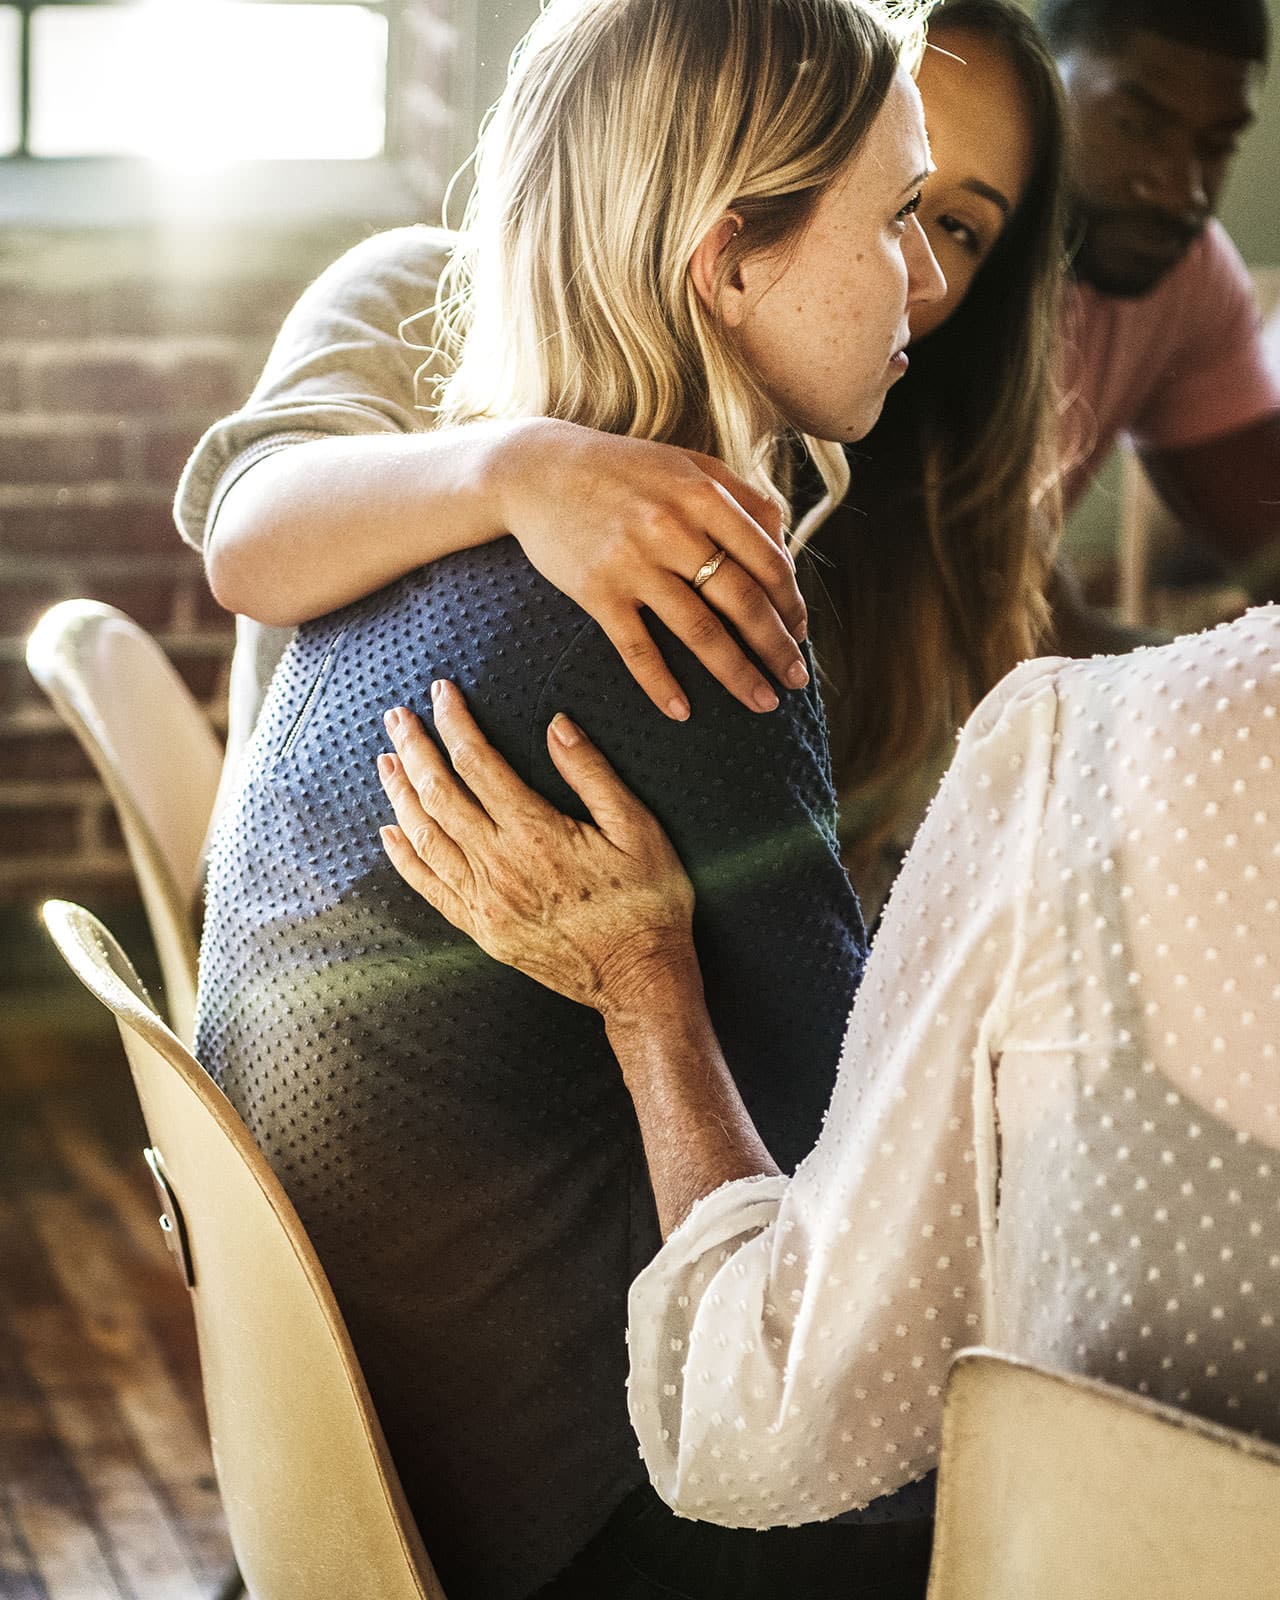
{"x":646,"y":1552}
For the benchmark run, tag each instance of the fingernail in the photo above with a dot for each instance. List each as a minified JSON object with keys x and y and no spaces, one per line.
{"x":802,"y":630}
{"x":385,"y":835}
{"x":386,"y":765}
{"x":564,"y":730}
{"x":391,"y":719}
{"x":678,"y":708}
{"x":437,"y":689}
{"x":765,"y":698}
{"x":797,"y":675}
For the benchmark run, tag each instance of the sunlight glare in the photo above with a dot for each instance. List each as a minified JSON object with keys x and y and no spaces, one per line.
{"x":194,"y":85}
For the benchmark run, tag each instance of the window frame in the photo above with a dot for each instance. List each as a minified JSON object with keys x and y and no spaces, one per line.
{"x":392,"y":10}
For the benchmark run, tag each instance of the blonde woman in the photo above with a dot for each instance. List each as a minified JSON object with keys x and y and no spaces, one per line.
{"x":695,"y":224}
{"x":337,"y":476}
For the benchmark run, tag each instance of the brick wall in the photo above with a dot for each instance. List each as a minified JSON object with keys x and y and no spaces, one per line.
{"x":118,"y":347}
{"x":105,"y":385}
{"x":432,"y":115}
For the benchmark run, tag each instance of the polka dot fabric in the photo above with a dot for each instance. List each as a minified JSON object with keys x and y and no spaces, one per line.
{"x":457,"y":1140}
{"x":1056,"y":1127}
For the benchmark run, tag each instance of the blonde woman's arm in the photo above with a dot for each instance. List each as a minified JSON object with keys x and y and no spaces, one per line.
{"x":620,"y":525}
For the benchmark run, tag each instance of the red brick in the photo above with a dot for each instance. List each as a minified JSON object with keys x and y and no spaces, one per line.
{"x":30,"y":880}
{"x":27,"y":313}
{"x":12,"y":386}
{"x":204,"y":675}
{"x":35,"y":454}
{"x":209,"y":385}
{"x":209,"y":614}
{"x":18,"y":689}
{"x":110,"y":833}
{"x":42,"y":757}
{"x":44,"y":827}
{"x":129,"y":526}
{"x":23,"y":603}
{"x":149,"y":601}
{"x":252,"y":308}
{"x":165,"y":454}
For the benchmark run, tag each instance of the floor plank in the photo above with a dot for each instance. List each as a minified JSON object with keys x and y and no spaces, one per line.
{"x":106,"y":1480}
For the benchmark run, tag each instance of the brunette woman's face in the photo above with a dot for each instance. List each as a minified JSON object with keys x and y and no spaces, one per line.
{"x":823,"y":321}
{"x":980,"y":132}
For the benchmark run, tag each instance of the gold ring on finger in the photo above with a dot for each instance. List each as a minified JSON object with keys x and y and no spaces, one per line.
{"x":708,"y":569}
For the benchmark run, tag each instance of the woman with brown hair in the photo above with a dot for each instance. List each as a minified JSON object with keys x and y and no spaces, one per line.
{"x":927,"y":585}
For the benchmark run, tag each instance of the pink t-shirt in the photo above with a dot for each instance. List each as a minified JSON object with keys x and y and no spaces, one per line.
{"x":1175,"y":367}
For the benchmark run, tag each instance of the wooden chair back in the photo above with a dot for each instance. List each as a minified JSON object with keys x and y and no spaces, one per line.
{"x":1057,"y":1487}
{"x":312,"y":1498}
{"x":157,"y":756}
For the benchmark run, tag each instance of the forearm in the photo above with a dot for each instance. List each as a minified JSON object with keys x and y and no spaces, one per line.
{"x":1226,"y":490}
{"x":696,"y":1131}
{"x":316,"y":526}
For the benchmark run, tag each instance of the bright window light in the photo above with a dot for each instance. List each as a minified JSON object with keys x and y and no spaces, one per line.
{"x":196,"y":84}
{"x":10,"y":46}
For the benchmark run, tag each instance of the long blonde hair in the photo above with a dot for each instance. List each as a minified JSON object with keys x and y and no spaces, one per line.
{"x":627,"y":129}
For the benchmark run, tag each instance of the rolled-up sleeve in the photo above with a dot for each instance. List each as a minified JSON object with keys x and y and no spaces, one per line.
{"x":346,"y":362}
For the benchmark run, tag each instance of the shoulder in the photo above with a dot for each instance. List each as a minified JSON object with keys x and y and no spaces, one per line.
{"x":592,"y":670}
{"x":1211,"y":269}
{"x":413,"y":255}
{"x":1198,"y":679}
{"x":742,"y":772}
{"x":1015,"y":701}
{"x":383,"y":280}
{"x":1212,"y":261}
{"x":1208,"y":301}
{"x":1213,"y":697}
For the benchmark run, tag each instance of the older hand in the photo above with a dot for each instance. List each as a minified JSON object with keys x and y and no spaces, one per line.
{"x":599,"y":914}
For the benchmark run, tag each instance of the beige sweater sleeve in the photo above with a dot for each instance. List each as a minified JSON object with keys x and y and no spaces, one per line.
{"x":346,"y":361}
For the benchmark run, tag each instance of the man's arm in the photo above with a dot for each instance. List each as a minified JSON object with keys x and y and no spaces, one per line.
{"x":1228,"y":490}
{"x":1209,"y":429}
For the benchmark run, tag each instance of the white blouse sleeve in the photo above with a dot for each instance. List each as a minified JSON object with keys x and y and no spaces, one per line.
{"x":790,"y":1340}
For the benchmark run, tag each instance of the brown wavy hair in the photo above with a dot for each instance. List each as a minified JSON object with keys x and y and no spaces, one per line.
{"x":927,"y":585}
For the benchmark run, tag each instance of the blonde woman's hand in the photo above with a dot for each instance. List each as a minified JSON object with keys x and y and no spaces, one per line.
{"x":618,"y":524}
{"x":601,"y":914}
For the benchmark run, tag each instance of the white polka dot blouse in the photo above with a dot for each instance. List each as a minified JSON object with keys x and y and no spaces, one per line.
{"x":1056,"y":1128}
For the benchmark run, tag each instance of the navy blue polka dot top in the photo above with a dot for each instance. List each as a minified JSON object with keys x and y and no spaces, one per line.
{"x":457,"y":1140}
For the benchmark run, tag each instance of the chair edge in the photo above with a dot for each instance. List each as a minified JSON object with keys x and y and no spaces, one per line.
{"x":970,"y":1362}
{"x":61,"y":919}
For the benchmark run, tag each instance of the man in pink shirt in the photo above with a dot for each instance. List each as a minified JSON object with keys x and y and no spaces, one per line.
{"x":1163,"y":339}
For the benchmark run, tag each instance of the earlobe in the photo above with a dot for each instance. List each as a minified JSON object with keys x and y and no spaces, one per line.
{"x":704,"y":264}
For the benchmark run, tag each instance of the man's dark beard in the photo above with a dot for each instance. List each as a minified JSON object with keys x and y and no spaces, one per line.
{"x":1093,"y":261}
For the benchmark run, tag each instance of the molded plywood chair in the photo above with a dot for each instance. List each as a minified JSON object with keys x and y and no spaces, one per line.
{"x":1056,"y":1487}
{"x":312,"y":1498}
{"x":157,"y":756}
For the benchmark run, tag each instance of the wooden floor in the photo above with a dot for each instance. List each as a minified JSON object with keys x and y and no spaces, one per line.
{"x":106,"y":1482}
